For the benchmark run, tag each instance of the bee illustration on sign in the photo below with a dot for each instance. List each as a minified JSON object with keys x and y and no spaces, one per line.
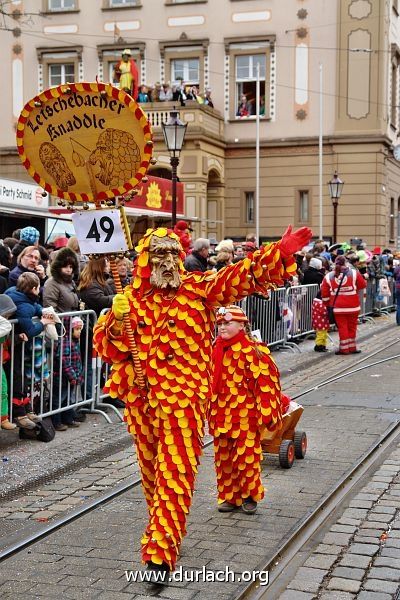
{"x":116,"y":154}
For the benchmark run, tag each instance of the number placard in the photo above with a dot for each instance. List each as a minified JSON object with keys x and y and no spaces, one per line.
{"x":99,"y":231}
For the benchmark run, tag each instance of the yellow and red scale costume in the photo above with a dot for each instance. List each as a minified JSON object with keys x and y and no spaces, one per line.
{"x":246,"y":400}
{"x":173,"y":332}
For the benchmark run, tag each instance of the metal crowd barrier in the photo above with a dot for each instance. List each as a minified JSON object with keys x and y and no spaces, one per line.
{"x":40,"y":364}
{"x":281,"y":318}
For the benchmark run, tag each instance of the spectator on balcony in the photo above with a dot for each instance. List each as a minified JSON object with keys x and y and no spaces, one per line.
{"x":165,"y":93}
{"x":178,"y":94}
{"x":154,"y":92}
{"x":244,"y":108}
{"x":207,"y":98}
{"x":143,"y":95}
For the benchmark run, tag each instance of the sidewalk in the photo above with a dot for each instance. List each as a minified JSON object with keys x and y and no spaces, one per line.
{"x":359,"y":557}
{"x":28,"y":464}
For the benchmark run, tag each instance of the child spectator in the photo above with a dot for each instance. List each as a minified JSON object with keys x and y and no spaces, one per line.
{"x":7,"y":309}
{"x":320,"y":322}
{"x":143,"y":95}
{"x":25,"y":295}
{"x":246,"y":399}
{"x":68,"y":361}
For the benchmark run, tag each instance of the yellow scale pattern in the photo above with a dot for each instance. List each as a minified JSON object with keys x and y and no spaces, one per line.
{"x":248,"y":401}
{"x":173,"y":337}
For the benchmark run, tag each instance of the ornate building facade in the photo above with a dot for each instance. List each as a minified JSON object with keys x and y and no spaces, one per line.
{"x":341,"y":55}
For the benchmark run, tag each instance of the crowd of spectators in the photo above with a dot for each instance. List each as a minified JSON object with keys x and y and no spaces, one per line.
{"x":179,"y":92}
{"x":35,"y":278}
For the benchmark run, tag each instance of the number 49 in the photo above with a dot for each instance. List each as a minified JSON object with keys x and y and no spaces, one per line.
{"x":106,"y":224}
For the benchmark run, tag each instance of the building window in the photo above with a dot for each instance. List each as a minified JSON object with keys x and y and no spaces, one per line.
{"x":249,"y":207}
{"x":246,"y":81}
{"x":303,"y":206}
{"x":59,"y":65}
{"x":60,"y":5}
{"x":186,"y":69}
{"x":61,"y":73}
{"x":245,"y":55}
{"x":123,"y":3}
{"x":184,"y":60}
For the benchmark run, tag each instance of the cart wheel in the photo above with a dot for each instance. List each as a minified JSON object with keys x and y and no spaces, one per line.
{"x":286,"y":454}
{"x":300,"y":444}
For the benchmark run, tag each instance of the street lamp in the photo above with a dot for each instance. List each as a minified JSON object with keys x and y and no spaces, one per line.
{"x":335,"y":186}
{"x":174,"y":135}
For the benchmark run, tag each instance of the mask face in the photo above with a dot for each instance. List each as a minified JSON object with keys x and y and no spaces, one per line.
{"x":164,"y":260}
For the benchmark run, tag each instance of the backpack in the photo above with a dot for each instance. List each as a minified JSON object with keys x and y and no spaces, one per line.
{"x":43,"y":432}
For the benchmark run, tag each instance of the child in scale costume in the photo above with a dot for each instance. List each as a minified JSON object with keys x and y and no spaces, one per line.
{"x":246,"y":400}
{"x":172,"y":316}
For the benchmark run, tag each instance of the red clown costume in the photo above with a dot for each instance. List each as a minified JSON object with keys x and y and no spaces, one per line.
{"x":246,"y":400}
{"x":173,"y":319}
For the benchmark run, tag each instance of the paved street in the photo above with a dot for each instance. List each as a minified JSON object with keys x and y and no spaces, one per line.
{"x":81,"y":560}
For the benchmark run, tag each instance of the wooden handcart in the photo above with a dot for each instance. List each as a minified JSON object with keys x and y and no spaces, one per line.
{"x":287,"y":443}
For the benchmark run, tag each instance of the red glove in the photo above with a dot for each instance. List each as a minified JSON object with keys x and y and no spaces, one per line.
{"x":293,"y":242}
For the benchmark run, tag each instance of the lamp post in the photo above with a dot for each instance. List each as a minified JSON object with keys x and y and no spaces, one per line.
{"x":335,"y":186}
{"x":174,"y":135}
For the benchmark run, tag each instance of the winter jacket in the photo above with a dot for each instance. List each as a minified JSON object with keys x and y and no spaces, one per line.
{"x":96,"y":297}
{"x":57,"y":292}
{"x":27,"y":308}
{"x":17,"y":271}
{"x":312,"y":275}
{"x":196,"y":262}
{"x":72,"y":369}
{"x":347,"y":300}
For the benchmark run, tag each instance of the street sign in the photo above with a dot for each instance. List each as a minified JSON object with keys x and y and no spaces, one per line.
{"x":100,"y":231}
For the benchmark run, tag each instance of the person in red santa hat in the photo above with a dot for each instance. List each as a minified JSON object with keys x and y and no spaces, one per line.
{"x":183,"y":230}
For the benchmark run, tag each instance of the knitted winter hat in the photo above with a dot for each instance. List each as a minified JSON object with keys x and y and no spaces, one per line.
{"x":316,"y":263}
{"x":30,"y":235}
{"x":76,"y":322}
{"x":231,"y":313}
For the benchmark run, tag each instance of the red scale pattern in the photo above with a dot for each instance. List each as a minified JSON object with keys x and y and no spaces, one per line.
{"x":173,"y":338}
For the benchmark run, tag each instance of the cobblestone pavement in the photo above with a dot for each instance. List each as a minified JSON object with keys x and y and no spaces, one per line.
{"x":81,"y":560}
{"x":359,"y":557}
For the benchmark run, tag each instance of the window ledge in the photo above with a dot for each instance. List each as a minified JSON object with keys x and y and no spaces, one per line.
{"x":140,"y":5}
{"x":60,"y":12}
{"x":252,"y":118}
{"x":170,"y":3}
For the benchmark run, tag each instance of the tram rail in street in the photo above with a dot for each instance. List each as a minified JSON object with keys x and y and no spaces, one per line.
{"x":297,"y":537}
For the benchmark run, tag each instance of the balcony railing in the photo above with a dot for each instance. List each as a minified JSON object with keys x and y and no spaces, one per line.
{"x":201,"y":118}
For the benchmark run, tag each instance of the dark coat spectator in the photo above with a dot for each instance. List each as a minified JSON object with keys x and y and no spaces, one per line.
{"x":96,"y":289}
{"x":28,"y":262}
{"x":314,"y":273}
{"x":29,"y":236}
{"x":198,"y":259}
